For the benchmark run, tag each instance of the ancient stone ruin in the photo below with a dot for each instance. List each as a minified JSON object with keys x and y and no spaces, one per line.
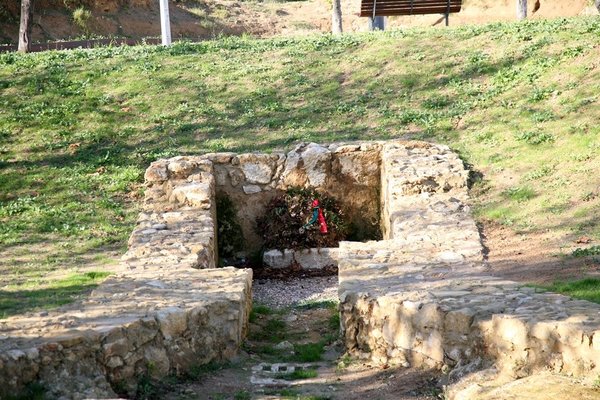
{"x":420,"y":296}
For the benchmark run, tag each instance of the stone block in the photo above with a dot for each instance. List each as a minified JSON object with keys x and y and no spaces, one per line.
{"x":305,"y":258}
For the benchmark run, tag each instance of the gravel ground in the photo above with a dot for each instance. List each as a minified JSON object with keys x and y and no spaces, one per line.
{"x":279,"y":293}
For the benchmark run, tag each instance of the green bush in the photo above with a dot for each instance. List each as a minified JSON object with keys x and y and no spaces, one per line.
{"x":81,"y":16}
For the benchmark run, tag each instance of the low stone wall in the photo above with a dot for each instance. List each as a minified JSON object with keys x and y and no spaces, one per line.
{"x":304,"y":258}
{"x":165,"y":310}
{"x":424,"y":297}
{"x":421,"y":296}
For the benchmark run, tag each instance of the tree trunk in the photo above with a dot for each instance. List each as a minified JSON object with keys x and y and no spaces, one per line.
{"x":336,"y":17}
{"x":25,"y":27}
{"x":521,"y":9}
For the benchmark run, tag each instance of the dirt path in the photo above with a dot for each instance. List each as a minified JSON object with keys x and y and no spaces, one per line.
{"x":538,"y":257}
{"x":294,"y":353}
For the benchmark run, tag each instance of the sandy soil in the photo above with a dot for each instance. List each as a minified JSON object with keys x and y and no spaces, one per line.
{"x":196,"y":19}
{"x":535,"y":257}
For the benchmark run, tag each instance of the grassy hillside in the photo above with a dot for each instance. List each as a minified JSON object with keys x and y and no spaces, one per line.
{"x":520,"y":102}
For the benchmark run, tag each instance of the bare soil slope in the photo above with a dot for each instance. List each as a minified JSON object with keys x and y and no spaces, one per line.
{"x":196,"y":19}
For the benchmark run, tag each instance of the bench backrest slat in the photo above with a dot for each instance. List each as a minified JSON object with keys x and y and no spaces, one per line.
{"x":408,"y":7}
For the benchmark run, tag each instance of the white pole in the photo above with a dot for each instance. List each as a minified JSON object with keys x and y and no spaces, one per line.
{"x":521,"y":9}
{"x":165,"y":22}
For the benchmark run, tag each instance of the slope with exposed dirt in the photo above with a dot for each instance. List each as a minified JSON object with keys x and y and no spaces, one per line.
{"x":196,"y":19}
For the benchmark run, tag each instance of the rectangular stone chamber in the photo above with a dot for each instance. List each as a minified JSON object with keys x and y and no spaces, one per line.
{"x":348,"y":173}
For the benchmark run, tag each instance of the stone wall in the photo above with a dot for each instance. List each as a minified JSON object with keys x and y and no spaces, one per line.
{"x":349,"y":173}
{"x":165,"y":310}
{"x":423,"y":295}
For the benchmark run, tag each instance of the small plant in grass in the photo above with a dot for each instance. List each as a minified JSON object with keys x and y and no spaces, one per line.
{"x":242,"y":395}
{"x":309,"y":352}
{"x":586,"y":252}
{"x":298,"y":374}
{"x":519,"y":194}
{"x":345,"y":361}
{"x":538,"y":173}
{"x":259,"y":309}
{"x":584,"y":289}
{"x":81,"y":17}
{"x":535,"y":137}
{"x":272,"y":331}
{"x":334,"y":321}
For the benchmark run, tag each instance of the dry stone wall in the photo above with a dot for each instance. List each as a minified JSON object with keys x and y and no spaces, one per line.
{"x":166,"y":310}
{"x":423,"y":296}
{"x":349,"y":173}
{"x":420,"y":296}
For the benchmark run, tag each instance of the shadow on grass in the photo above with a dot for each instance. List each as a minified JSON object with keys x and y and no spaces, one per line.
{"x":61,"y":292}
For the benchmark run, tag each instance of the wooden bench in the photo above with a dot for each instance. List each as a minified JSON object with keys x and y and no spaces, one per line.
{"x":376,"y":8}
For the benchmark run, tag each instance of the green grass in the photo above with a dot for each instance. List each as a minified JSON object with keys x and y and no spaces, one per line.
{"x":78,"y":128}
{"x":298,"y":374}
{"x":273,"y":330}
{"x":18,"y":298}
{"x":259,"y":309}
{"x":242,"y":395}
{"x":314,"y":304}
{"x":586,"y":252}
{"x":309,"y":352}
{"x":585,"y":289}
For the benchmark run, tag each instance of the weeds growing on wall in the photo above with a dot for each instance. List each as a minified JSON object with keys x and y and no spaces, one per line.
{"x":229,"y":233}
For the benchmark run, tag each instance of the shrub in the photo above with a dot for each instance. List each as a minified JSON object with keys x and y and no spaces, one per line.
{"x":81,"y":17}
{"x":283,"y":225}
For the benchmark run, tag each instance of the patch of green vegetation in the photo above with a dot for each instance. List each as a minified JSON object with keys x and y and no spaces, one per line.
{"x":147,"y":387}
{"x":344,"y":361}
{"x":197,"y":371}
{"x":519,"y":193}
{"x":81,"y":17}
{"x":273,"y":330}
{"x":309,"y":352}
{"x":586,"y":252}
{"x":316,"y":304}
{"x":15,"y":299}
{"x":242,"y":395}
{"x":298,"y":374}
{"x":262,"y":309}
{"x":534,"y":137}
{"x":78,"y":128}
{"x":585,"y":289}
{"x":229,"y":233}
{"x":334,"y":321}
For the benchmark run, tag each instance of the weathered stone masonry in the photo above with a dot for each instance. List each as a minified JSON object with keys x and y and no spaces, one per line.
{"x":420,"y":296}
{"x":160,"y":314}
